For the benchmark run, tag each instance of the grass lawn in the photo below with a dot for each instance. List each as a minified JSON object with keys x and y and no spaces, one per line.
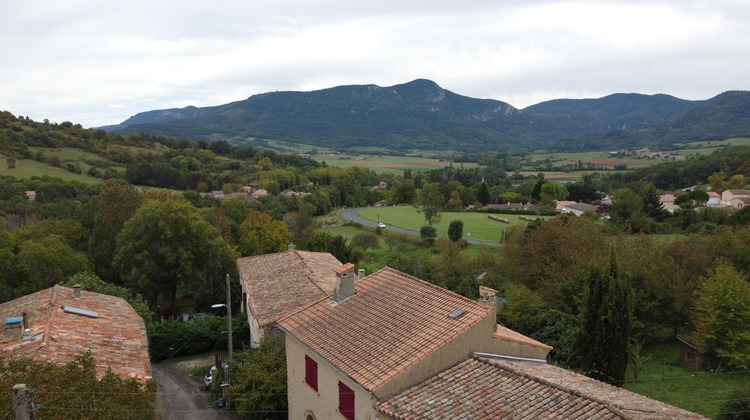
{"x":664,"y":380}
{"x":476,"y":225}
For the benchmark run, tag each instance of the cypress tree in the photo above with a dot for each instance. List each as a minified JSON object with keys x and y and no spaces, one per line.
{"x":603,"y":339}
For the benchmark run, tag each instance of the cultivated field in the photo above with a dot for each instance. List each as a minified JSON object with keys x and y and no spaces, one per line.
{"x":382,"y":164}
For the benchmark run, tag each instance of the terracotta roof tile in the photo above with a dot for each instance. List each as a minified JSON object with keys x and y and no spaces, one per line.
{"x":480,"y":388}
{"x":510,"y":335}
{"x":392,"y":322}
{"x":278,"y":284}
{"x":116,"y":338}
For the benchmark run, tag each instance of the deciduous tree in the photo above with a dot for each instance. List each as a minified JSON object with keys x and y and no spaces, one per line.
{"x":167,"y":245}
{"x":429,"y":203}
{"x":73,"y":390}
{"x":722,"y":315}
{"x":259,"y":234}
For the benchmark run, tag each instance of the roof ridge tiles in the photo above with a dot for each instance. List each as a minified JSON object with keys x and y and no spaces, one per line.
{"x":433,"y":286}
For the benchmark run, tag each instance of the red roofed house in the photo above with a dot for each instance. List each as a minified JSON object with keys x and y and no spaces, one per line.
{"x":381,"y":335}
{"x":274,"y":285}
{"x":493,"y":388}
{"x":390,"y":346}
{"x":58,"y":324}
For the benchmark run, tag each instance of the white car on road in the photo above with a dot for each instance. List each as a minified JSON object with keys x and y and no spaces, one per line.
{"x":381,"y":225}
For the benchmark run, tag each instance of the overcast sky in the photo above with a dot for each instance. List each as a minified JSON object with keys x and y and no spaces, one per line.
{"x":99,"y":62}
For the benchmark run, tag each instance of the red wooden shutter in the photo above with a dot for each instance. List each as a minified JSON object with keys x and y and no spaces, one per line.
{"x":346,"y":401}
{"x":311,"y":372}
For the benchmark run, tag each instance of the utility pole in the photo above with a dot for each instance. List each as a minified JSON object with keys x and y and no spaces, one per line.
{"x":229,"y":318}
{"x":20,"y":403}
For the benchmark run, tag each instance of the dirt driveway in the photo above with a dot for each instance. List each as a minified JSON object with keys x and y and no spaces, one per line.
{"x":180,"y":398}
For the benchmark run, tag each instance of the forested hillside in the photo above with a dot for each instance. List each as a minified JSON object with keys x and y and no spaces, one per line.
{"x":420,"y":115}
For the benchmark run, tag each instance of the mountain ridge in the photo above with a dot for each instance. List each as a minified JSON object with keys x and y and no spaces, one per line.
{"x":422,"y":115}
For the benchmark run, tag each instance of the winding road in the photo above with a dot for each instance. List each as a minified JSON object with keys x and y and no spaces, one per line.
{"x":351,"y":214}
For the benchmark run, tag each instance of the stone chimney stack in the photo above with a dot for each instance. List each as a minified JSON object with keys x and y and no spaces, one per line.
{"x":344,"y":282}
{"x":77,"y":292}
{"x":290,"y":247}
{"x":487,"y":297}
{"x":360,"y":274}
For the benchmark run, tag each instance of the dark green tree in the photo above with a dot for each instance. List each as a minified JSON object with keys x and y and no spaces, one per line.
{"x":117,"y":202}
{"x":483,"y":194}
{"x":652,"y":206}
{"x":602,"y":341}
{"x":165,"y":246}
{"x":428,"y":234}
{"x":456,"y":230}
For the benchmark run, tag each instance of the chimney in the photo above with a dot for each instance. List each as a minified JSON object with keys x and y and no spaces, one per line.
{"x":77,"y":292}
{"x":26,"y":330}
{"x":344,"y":282}
{"x":360,"y":274}
{"x":487,"y":297}
{"x":290,"y":247}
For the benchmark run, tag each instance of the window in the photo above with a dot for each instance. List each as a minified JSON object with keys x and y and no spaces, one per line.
{"x":311,"y":373}
{"x":346,"y":401}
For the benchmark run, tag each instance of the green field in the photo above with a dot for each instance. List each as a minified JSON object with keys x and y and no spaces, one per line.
{"x":27,"y":168}
{"x":663,"y":379}
{"x":387,"y":164}
{"x":476,"y":225}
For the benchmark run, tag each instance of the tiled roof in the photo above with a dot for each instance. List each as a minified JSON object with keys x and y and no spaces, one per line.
{"x":561,"y":204}
{"x":480,"y":388}
{"x":667,"y":198}
{"x":116,"y":337}
{"x":510,"y":335}
{"x":392,"y":322}
{"x":277,"y":284}
{"x":581,"y":207}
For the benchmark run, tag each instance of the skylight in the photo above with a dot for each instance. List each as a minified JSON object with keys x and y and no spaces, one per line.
{"x":457,"y":313}
{"x":79,"y":311}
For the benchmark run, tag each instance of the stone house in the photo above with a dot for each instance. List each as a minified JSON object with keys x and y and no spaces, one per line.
{"x":60,"y":323}
{"x":728,"y":195}
{"x":391,"y":346}
{"x":381,"y":334}
{"x":274,"y":285}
